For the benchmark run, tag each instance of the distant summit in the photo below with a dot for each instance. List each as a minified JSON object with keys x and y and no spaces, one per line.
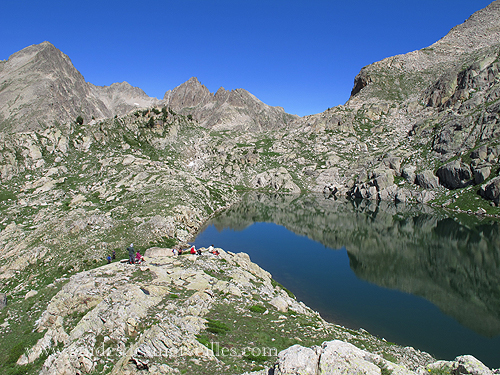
{"x":39,"y":86}
{"x":235,"y":109}
{"x":121,"y":98}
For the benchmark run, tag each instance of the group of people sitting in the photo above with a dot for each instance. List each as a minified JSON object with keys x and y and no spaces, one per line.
{"x":136,"y":257}
{"x":195,"y":251}
{"x":211,"y":250}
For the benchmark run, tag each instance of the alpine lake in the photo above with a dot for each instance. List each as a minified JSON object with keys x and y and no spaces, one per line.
{"x":411,"y":274}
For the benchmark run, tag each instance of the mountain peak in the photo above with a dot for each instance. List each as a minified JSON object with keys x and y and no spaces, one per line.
{"x":22,"y":57}
{"x":41,"y":86}
{"x":193,"y":80}
{"x":39,"y":82}
{"x":189,"y":94}
{"x":235,"y":109}
{"x":480,"y":30}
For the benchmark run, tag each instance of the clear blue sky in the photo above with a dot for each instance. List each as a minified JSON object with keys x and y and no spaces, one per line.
{"x":301,"y":55}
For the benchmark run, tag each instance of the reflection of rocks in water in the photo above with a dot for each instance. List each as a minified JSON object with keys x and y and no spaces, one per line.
{"x":415,"y":249}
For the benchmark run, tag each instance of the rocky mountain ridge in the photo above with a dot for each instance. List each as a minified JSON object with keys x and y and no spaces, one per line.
{"x":411,"y":114}
{"x":39,"y":86}
{"x":224,"y":110}
{"x":477,"y":34}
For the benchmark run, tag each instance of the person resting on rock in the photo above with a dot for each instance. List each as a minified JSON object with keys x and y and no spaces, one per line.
{"x":139,"y":258}
{"x":193,"y":251}
{"x":131,"y":252}
{"x":198,"y":252}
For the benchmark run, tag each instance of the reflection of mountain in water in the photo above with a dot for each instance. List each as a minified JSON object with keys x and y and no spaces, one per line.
{"x":454,"y":262}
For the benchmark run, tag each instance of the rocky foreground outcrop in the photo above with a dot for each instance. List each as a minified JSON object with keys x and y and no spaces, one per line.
{"x":133,"y":317}
{"x":179,"y":313}
{"x":338,"y":357}
{"x":183,"y":314}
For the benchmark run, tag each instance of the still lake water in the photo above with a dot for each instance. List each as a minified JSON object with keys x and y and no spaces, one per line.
{"x":410,"y":274}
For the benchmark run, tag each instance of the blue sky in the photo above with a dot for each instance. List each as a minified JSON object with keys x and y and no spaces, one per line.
{"x":301,"y":55}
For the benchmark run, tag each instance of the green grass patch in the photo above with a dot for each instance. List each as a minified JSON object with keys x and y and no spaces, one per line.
{"x":144,"y":276}
{"x":384,"y":370}
{"x":469,"y":200}
{"x":270,"y":153}
{"x":389,"y":357}
{"x":259,"y":309}
{"x":6,"y":195}
{"x":255,"y":339}
{"x":217,"y":327}
{"x":71,"y":320}
{"x":165,"y":242}
{"x":203,"y":340}
{"x":398,"y":179}
{"x":443,"y":370}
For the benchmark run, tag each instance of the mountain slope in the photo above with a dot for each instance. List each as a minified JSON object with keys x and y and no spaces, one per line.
{"x":403,"y":76}
{"x":410,"y":117}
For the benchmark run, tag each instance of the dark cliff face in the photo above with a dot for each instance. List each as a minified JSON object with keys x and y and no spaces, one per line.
{"x":362,"y":80}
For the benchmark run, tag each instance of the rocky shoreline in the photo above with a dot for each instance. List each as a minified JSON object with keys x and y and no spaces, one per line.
{"x":157,"y":315}
{"x":166,"y":315}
